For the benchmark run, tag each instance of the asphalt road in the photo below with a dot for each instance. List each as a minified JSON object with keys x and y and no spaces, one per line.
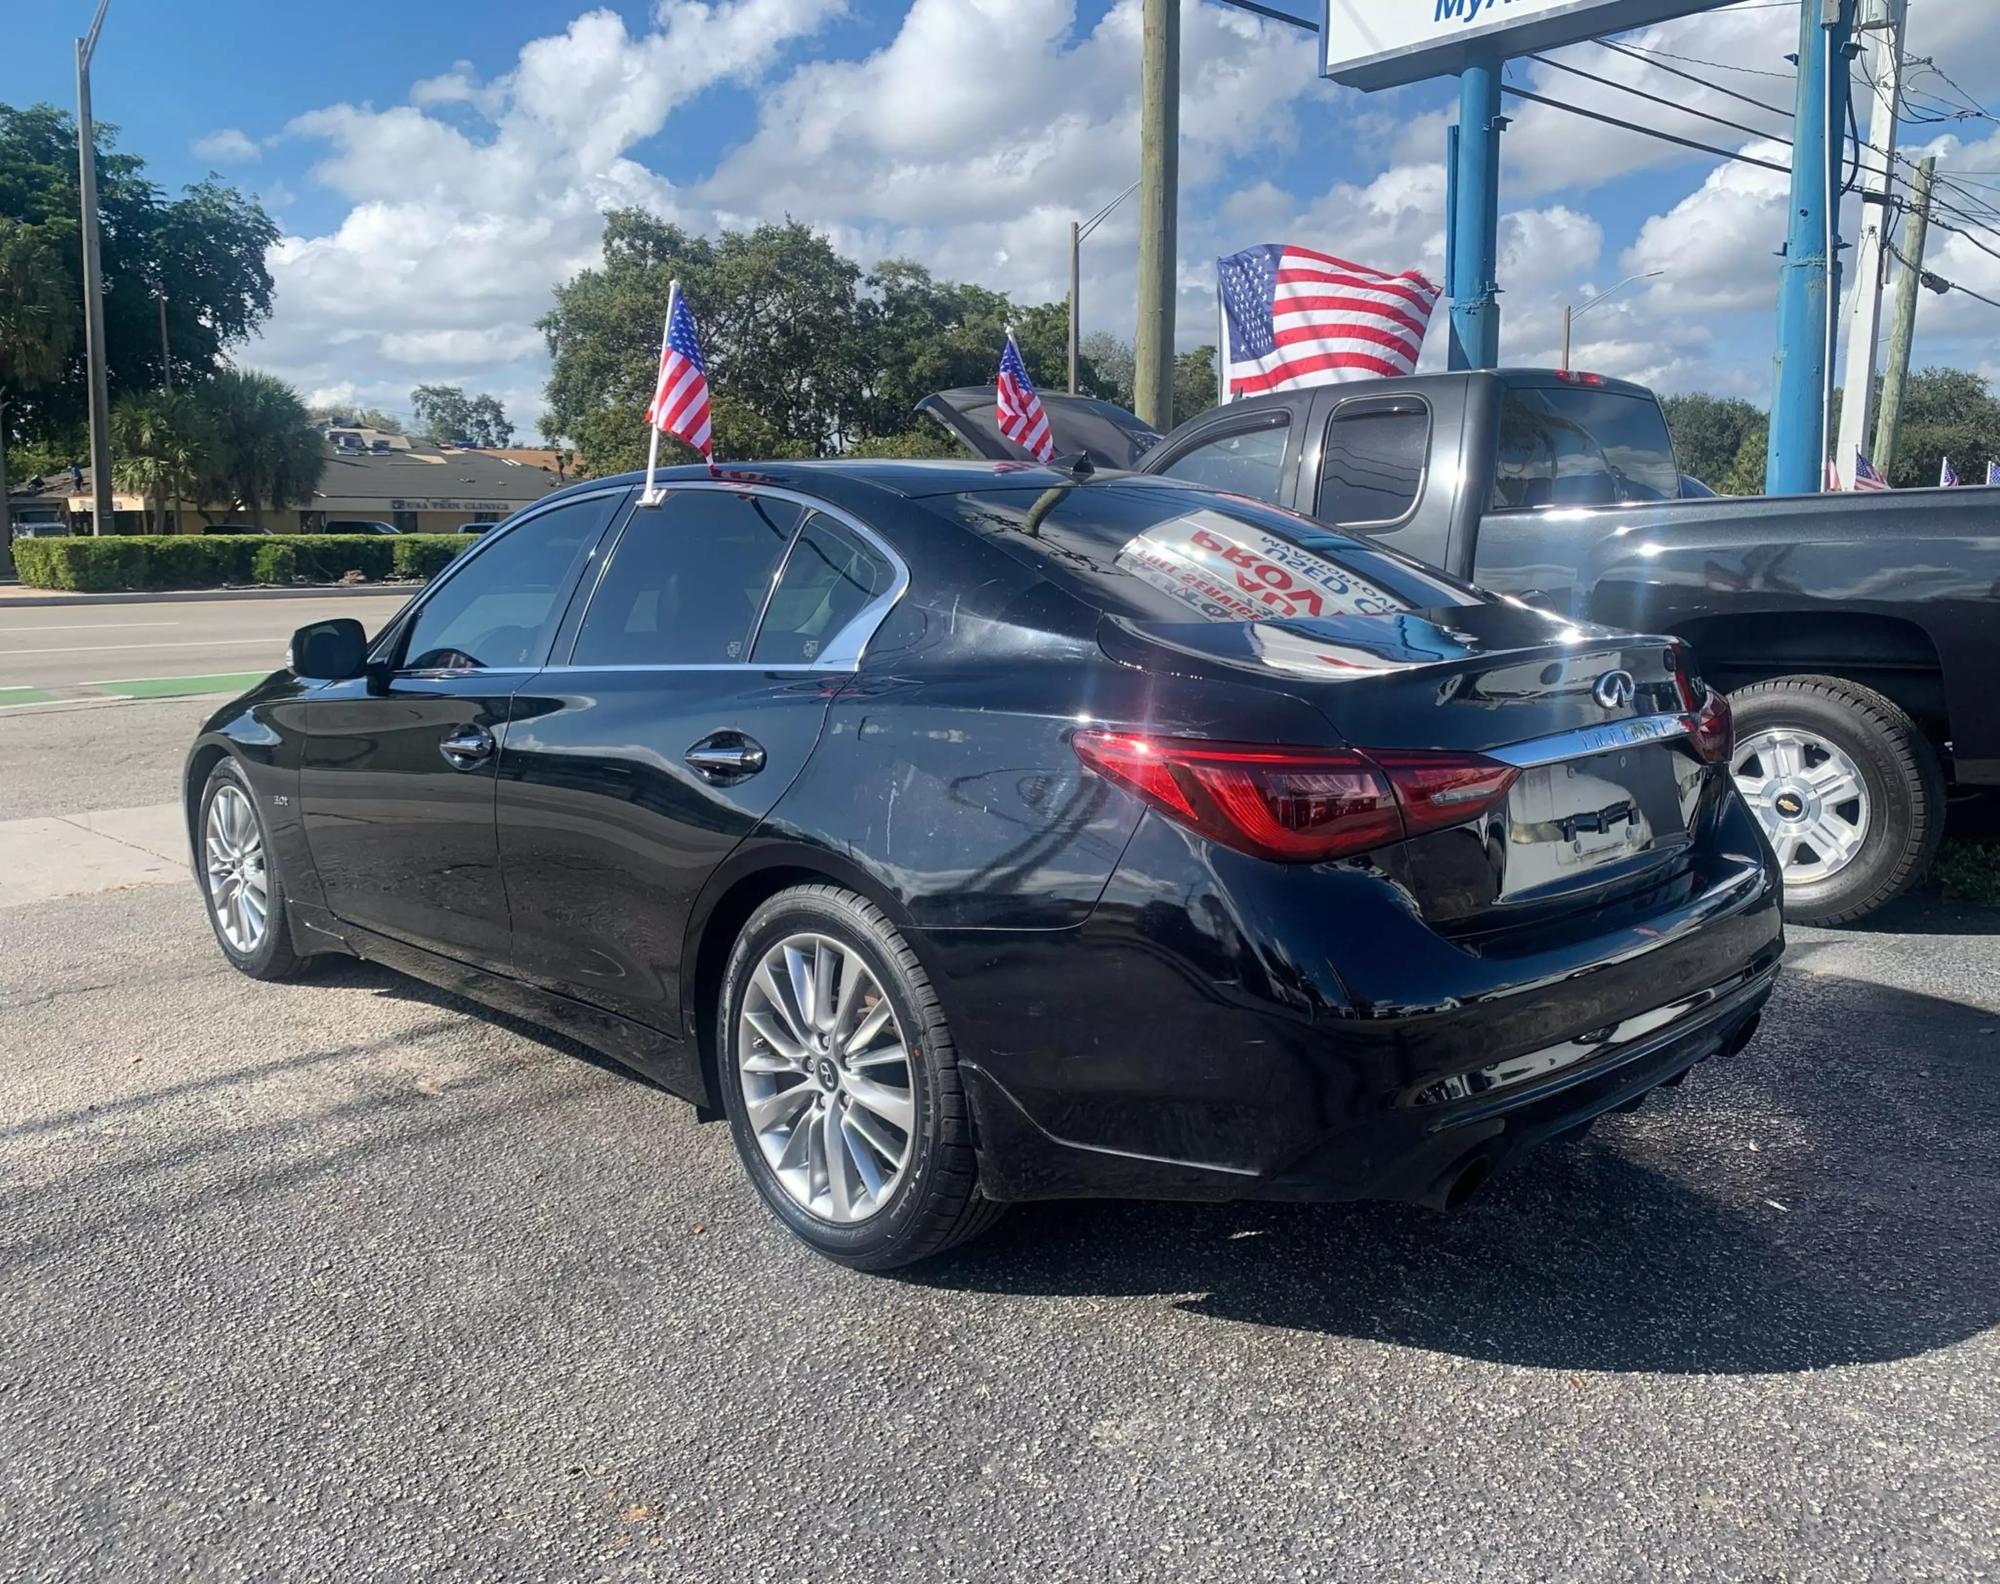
{"x":344,"y":1280}
{"x":58,"y":646}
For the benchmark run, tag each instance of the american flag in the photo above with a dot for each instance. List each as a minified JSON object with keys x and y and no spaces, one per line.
{"x":1297,"y":317}
{"x":1865,"y":476}
{"x":1993,"y":473}
{"x":1947,"y":475}
{"x":1019,"y":409}
{"x":680,"y":398}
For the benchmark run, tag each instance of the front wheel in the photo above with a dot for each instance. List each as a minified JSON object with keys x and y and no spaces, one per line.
{"x":841,"y":1083}
{"x":1846,"y":787}
{"x":240,"y":880}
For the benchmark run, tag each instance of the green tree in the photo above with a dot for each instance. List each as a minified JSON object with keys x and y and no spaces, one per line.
{"x":1946,"y":413}
{"x":203,"y":251}
{"x":805,"y":355}
{"x":36,"y":329}
{"x":1115,"y":362}
{"x":266,"y":452}
{"x":445,"y":414}
{"x":1711,"y":433}
{"x":1194,"y":383}
{"x":166,"y":448}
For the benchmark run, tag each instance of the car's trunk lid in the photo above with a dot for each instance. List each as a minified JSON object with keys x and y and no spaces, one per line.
{"x":1594,"y":723}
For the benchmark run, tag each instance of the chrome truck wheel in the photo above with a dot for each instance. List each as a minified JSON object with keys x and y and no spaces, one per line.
{"x":1809,"y":797}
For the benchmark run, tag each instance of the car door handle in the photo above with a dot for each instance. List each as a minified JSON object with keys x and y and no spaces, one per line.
{"x":467,"y":748}
{"x":726,"y":756}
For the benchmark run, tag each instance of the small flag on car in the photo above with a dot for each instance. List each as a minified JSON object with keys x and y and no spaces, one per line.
{"x":1294,"y":317}
{"x":680,"y":392}
{"x":1019,"y":409}
{"x":1947,"y":475}
{"x":1993,"y":473}
{"x":1865,"y":476}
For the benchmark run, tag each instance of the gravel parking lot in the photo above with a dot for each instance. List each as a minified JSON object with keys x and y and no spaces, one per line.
{"x":344,"y":1280}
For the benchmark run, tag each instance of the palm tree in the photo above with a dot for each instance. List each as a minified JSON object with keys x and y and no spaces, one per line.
{"x":166,"y":448}
{"x":36,"y":329}
{"x":266,"y":451}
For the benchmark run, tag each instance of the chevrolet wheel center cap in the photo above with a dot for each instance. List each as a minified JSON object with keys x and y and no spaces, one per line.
{"x":1791,"y":805}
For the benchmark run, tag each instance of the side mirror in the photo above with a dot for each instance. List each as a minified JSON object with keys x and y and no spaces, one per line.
{"x":330,"y":651}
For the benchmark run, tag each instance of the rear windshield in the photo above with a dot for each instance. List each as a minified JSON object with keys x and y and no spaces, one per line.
{"x":1575,"y":446}
{"x":1162,"y":552}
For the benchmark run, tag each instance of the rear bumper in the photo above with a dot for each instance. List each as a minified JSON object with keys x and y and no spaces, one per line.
{"x":1226,"y":1032}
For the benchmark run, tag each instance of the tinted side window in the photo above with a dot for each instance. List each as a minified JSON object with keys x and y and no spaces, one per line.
{"x":1249,"y":462}
{"x":499,"y":608}
{"x":1581,"y":447}
{"x":686,"y":581}
{"x":1374,"y":462}
{"x":830,"y":577}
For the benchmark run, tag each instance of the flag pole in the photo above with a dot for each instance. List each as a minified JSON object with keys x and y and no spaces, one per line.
{"x":652,"y":497}
{"x":1221,"y":343}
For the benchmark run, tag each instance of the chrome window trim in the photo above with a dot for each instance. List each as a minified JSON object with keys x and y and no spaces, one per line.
{"x":399,"y":625}
{"x":1585,"y":741}
{"x":842,"y":653}
{"x":1377,"y":524}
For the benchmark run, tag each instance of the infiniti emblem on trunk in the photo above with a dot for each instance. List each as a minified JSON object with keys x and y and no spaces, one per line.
{"x":1614,"y":689}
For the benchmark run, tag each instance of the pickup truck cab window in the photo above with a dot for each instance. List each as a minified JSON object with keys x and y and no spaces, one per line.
{"x":1576,"y":446}
{"x":1243,"y":461}
{"x":1372,"y":468}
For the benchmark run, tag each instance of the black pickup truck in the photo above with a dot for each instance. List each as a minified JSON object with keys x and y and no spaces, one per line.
{"x":1856,"y":634}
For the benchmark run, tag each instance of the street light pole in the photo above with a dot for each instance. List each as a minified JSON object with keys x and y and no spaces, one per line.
{"x":1078,"y":230}
{"x":93,"y":283}
{"x":1571,"y":315}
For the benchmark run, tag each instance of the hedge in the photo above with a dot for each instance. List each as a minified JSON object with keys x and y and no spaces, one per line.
{"x":170,"y":561}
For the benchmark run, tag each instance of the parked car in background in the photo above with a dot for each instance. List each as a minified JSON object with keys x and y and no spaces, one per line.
{"x":968,"y":834}
{"x":1853,"y":632}
{"x":357,"y":525}
{"x":473,"y":527}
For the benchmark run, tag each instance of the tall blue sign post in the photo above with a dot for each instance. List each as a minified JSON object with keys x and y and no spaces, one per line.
{"x":1809,"y":277}
{"x":1386,"y":43}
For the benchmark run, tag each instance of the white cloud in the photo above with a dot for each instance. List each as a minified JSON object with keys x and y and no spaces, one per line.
{"x":227,"y":146}
{"x":459,"y":228}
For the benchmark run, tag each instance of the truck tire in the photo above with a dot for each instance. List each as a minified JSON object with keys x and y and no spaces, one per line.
{"x":1846,"y":787}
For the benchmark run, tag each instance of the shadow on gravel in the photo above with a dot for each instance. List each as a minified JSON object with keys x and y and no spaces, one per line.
{"x":1657,"y":1244}
{"x":1926,"y":914}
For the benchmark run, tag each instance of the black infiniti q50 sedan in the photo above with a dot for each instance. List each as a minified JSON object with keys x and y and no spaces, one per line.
{"x":968,"y":833}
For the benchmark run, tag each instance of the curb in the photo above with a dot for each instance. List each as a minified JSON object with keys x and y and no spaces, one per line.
{"x":59,"y":599}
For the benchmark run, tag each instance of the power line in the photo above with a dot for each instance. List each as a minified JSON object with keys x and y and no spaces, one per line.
{"x":1728,"y":93}
{"x":1640,"y":93}
{"x":1644,"y":131}
{"x":1938,"y":283}
{"x":1692,"y":60}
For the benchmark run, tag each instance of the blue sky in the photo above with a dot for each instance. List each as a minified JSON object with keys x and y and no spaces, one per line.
{"x":437,"y":168}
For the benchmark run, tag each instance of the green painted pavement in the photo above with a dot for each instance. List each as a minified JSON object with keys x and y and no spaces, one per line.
{"x":176,"y":687}
{"x":23,"y":695}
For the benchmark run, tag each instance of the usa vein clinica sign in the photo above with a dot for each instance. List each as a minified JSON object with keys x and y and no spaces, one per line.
{"x":1381,"y":43}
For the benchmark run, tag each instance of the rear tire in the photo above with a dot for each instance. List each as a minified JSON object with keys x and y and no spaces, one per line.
{"x":1795,"y":731}
{"x":829,"y":1151}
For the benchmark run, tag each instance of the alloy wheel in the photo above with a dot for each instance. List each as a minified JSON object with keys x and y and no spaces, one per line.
{"x":239,"y":887}
{"x":1808,"y":794}
{"x":826,"y":1078}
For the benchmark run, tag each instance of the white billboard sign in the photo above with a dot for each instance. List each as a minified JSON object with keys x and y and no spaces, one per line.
{"x":1381,"y":43}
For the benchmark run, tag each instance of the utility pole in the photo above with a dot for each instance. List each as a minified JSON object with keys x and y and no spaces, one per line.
{"x":1864,"y":319}
{"x":1075,"y":276}
{"x":1078,"y":230}
{"x":1159,"y":183}
{"x":1890,"y":421}
{"x":166,"y":352}
{"x":1807,"y":284}
{"x":93,"y":284}
{"x":1472,"y":220}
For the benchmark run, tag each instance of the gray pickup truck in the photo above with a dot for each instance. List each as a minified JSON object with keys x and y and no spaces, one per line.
{"x":1856,"y":634}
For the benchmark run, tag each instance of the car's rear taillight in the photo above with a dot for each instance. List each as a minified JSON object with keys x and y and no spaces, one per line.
{"x":1297,"y":804}
{"x":1712,"y":728}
